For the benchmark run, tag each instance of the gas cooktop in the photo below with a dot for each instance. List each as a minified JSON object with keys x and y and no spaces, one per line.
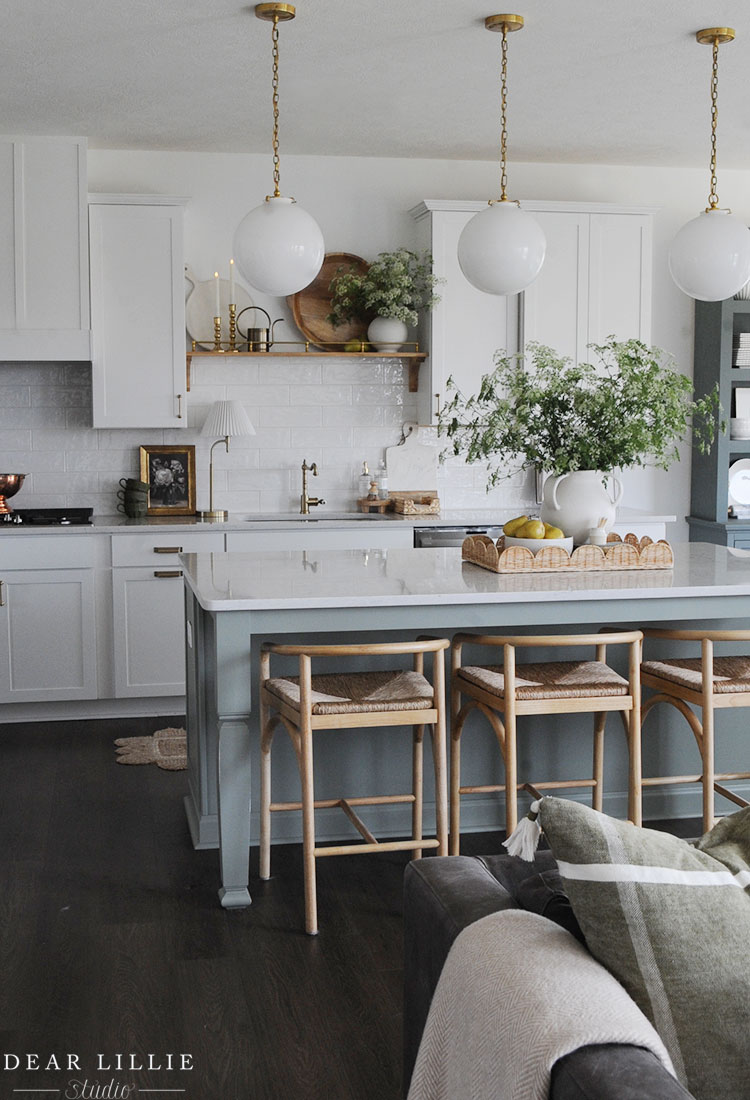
{"x":48,"y":517}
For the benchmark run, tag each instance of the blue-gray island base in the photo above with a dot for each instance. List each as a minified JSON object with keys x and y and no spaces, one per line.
{"x":234,"y":601}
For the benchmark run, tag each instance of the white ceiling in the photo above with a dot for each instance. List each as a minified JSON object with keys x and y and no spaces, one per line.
{"x":609,"y":81}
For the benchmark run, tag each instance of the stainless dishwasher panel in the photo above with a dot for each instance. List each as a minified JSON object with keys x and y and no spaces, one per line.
{"x":451,"y":536}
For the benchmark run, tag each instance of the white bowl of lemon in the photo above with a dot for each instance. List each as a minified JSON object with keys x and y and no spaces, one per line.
{"x":534,"y":534}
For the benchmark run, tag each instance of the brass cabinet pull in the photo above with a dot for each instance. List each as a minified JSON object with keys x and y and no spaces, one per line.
{"x":2,"y":593}
{"x":167,"y":573}
{"x":167,"y":549}
{"x":179,"y":406}
{"x":437,"y":405}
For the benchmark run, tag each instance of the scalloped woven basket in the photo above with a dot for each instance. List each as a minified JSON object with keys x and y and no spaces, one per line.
{"x":628,"y":553}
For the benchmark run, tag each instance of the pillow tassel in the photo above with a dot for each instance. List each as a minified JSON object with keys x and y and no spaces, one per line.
{"x":524,"y":839}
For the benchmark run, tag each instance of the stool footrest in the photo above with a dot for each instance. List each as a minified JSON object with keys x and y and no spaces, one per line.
{"x":330,"y":803}
{"x":549,"y":784}
{"x":382,"y":846}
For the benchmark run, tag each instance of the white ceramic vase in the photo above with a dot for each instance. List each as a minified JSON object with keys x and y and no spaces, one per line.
{"x":387,"y":333}
{"x":580,"y":500}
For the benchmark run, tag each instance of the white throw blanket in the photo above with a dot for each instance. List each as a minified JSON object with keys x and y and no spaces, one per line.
{"x":516,"y":993}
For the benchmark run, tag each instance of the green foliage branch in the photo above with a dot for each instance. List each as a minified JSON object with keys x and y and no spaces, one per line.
{"x":632,"y":407}
{"x":396,"y":284}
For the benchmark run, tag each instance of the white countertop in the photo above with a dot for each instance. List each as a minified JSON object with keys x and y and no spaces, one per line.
{"x":372,"y":578}
{"x":293,"y":521}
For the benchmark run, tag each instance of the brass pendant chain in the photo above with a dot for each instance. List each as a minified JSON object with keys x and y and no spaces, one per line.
{"x":713,"y":198}
{"x":504,"y":118}
{"x":275,"y":85}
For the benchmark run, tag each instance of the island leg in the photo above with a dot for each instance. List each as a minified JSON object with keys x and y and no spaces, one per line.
{"x":234,"y":811}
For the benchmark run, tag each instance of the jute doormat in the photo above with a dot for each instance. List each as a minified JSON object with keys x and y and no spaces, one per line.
{"x":166,"y":748}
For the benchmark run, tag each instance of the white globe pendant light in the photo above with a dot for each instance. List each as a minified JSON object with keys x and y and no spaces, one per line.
{"x":501,"y":250}
{"x":710,"y":257}
{"x":278,"y":246}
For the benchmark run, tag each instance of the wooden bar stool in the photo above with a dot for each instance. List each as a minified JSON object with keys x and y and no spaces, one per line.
{"x":707,"y":683}
{"x":503,"y":693}
{"x":306,"y":704}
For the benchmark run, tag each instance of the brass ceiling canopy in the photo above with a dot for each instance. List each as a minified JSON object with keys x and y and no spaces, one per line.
{"x":719,"y":35}
{"x":503,"y":23}
{"x":281,"y":12}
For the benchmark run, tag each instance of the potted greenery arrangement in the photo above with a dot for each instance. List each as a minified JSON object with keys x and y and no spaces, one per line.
{"x":389,"y":295}
{"x":579,"y":423}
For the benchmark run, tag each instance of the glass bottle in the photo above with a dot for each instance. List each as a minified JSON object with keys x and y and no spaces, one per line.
{"x":381,"y":477}
{"x":364,"y":481}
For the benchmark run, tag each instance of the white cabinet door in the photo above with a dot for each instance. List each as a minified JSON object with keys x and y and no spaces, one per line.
{"x":47,"y":636}
{"x":149,"y":632}
{"x":555,"y":306}
{"x":44,"y":277}
{"x":596,"y":278}
{"x":467,"y":327}
{"x":138,"y":312}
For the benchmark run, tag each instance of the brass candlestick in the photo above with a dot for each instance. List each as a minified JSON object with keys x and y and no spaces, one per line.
{"x":232,"y":327}
{"x":217,"y":334}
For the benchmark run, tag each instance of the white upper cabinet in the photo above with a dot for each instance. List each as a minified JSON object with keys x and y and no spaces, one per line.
{"x":44,"y":276}
{"x":596,"y":278}
{"x":467,"y":326}
{"x":137,"y":311}
{"x":595,"y":282}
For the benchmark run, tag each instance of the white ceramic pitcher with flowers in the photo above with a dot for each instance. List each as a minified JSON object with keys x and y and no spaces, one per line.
{"x":577,"y":501}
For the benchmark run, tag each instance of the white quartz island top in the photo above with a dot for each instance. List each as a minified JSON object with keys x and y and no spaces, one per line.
{"x":399,"y":578}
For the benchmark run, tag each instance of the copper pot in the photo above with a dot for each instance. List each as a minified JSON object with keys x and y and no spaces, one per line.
{"x":9,"y":486}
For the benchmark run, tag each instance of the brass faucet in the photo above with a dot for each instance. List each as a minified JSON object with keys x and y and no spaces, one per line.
{"x":306,"y":502}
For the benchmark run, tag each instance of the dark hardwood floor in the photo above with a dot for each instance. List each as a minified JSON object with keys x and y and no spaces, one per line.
{"x":113,"y":941}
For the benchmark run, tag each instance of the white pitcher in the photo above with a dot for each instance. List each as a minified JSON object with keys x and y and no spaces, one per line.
{"x":578,"y":501}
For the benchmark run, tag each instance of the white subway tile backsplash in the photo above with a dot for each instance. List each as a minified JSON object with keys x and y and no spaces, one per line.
{"x":321,"y":395}
{"x":336,"y":412}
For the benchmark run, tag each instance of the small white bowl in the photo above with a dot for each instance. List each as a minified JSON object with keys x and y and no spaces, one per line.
{"x":534,"y":545}
{"x":739,"y":428}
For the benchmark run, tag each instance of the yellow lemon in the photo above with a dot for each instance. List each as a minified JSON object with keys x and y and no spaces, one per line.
{"x":512,"y":526}
{"x":534,"y":529}
{"x":553,"y":532}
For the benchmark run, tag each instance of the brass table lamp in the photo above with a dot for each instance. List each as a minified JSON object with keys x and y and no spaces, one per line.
{"x":226,"y":418}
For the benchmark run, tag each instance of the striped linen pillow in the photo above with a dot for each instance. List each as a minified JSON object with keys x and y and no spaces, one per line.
{"x":671,"y":921}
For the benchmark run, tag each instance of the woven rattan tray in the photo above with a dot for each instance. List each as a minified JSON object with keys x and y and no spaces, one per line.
{"x":628,"y":553}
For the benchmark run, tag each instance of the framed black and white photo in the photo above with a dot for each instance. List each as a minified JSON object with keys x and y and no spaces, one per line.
{"x":170,"y":473}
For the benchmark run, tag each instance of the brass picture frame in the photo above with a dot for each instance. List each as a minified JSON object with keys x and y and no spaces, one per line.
{"x":170,"y":474}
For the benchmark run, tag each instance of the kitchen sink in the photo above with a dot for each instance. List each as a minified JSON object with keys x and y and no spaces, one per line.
{"x":295,"y":517}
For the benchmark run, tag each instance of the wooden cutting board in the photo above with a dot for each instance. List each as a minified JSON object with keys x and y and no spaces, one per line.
{"x":412,"y":466}
{"x":310,"y":307}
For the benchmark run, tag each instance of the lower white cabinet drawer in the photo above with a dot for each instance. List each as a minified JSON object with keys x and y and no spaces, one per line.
{"x":46,"y":551}
{"x":161,"y":549}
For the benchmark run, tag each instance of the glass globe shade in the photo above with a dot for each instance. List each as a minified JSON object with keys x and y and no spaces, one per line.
{"x":278,"y":247}
{"x":710,"y":256}
{"x":501,"y":250}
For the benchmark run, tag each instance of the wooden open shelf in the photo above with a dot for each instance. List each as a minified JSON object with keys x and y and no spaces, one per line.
{"x":414,"y":358}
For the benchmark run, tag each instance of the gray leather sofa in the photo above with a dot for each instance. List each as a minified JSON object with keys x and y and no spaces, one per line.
{"x":442,"y":896}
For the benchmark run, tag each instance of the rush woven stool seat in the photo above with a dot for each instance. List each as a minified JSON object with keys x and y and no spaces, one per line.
{"x":305,"y":704}
{"x":505,"y":692}
{"x":696,"y":687}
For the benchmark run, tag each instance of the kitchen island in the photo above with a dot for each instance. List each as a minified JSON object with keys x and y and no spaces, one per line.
{"x":234,"y":601}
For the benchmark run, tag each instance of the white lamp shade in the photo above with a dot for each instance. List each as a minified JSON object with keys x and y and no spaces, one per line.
{"x":279,"y":247}
{"x":501,"y":250}
{"x":710,"y":256}
{"x":227,"y":418}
